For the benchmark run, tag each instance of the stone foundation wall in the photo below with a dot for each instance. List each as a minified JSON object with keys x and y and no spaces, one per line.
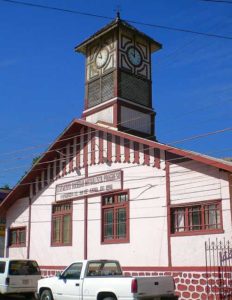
{"x":50,"y":271}
{"x":194,"y":285}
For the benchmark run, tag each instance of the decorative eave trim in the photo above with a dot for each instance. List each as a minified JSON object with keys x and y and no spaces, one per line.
{"x":51,"y":166}
{"x":188,"y":154}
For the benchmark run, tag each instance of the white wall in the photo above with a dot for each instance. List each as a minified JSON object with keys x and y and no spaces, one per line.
{"x":105,"y":115}
{"x":148,"y":223}
{"x":135,"y":119}
{"x":148,"y":231}
{"x":17,"y":216}
{"x":41,"y":228}
{"x":148,"y":217}
{"x":193,"y":182}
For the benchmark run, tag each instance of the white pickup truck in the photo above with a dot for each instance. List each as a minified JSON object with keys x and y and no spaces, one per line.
{"x":103,"y":280}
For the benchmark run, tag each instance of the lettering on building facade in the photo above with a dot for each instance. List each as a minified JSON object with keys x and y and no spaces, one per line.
{"x":92,"y":185}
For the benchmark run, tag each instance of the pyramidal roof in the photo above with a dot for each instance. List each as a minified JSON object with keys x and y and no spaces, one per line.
{"x":116,"y":23}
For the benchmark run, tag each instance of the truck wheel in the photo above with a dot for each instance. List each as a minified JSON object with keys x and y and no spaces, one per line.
{"x":46,"y":295}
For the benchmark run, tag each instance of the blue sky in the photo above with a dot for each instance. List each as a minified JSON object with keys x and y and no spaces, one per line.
{"x":42,"y":78}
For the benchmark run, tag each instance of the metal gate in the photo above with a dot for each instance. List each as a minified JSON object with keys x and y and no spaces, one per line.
{"x":218,"y":258}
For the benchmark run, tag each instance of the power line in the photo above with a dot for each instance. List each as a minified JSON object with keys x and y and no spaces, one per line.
{"x":79,"y":135}
{"x":108,"y":127}
{"x":187,"y":112}
{"x":181,"y":30}
{"x":57,"y":9}
{"x":202,"y":135}
{"x":44,"y":7}
{"x":78,"y":13}
{"x":218,"y":1}
{"x":137,"y":198}
{"x":165,"y":59}
{"x":34,"y":155}
{"x":127,"y":20}
{"x":113,"y":169}
{"x":105,"y":149}
{"x":119,"y":123}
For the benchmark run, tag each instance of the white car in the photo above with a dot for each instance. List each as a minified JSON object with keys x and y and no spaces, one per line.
{"x":19,"y":276}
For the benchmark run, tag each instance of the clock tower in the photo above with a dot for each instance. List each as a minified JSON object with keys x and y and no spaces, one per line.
{"x":118,"y":85}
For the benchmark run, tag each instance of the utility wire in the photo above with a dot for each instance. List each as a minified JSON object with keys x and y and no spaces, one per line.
{"x":201,"y":135}
{"x":114,"y":169}
{"x":218,"y":1}
{"x":42,"y":6}
{"x":181,"y":30}
{"x":127,"y":20}
{"x":93,"y":15}
{"x":120,"y":123}
{"x":33,"y":147}
{"x":57,"y":9}
{"x":78,"y":144}
{"x":38,"y":154}
{"x":35,"y":155}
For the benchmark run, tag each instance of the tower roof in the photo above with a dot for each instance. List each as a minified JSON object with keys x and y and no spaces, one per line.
{"x":116,"y":23}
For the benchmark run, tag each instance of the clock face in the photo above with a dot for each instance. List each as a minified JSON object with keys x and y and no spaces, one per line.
{"x":101,"y":57}
{"x":134,"y":56}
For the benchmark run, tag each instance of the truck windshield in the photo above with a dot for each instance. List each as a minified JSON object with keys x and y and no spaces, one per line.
{"x":103,"y":268}
{"x":23,"y":267}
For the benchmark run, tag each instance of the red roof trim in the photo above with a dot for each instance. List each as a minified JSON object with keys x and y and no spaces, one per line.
{"x":198,"y":157}
{"x":20,"y":188}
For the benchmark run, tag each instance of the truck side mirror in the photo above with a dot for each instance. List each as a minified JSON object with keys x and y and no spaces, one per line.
{"x":58,"y":274}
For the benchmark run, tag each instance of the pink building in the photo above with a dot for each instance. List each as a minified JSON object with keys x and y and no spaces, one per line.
{"x":107,"y":189}
{"x":4,"y":191}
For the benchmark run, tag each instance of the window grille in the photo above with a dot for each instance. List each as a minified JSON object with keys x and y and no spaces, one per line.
{"x":196,"y":217}
{"x":115,"y":218}
{"x":61,"y":224}
{"x":135,"y":89}
{"x":107,"y":87}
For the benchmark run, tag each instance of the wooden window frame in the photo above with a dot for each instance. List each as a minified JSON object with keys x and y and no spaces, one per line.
{"x":188,"y":210}
{"x":17,"y":244}
{"x":60,"y":215}
{"x":115,"y":207}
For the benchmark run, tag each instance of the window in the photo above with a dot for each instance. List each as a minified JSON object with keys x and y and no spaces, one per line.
{"x":24,"y":267}
{"x":62,"y":224}
{"x":196,"y":218}
{"x":17,"y":237}
{"x":2,"y":267}
{"x":103,"y":268}
{"x":73,"y":272}
{"x":115,"y":218}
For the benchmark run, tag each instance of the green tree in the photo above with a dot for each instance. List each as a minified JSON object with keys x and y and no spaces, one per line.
{"x":34,"y":160}
{"x":5,"y":187}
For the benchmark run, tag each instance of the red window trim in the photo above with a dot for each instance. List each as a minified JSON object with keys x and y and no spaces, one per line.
{"x":103,"y":207}
{"x":61,"y":214}
{"x":17,"y":244}
{"x":200,"y":231}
